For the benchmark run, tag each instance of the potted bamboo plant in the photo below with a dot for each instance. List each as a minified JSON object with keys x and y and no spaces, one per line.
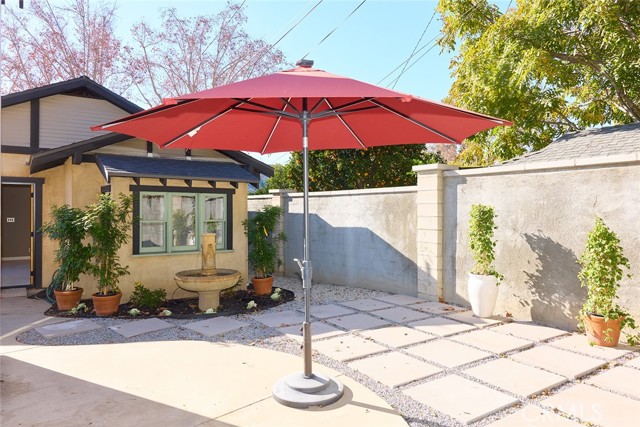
{"x":264,"y":241}
{"x":483,"y":279}
{"x":72,"y":254}
{"x":602,"y":265}
{"x":108,"y":224}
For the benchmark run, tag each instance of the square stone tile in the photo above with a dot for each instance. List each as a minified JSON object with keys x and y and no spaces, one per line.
{"x":348,"y":347}
{"x":435,"y":307}
{"x":215,"y":326}
{"x":469,"y":318}
{"x":565,"y":363}
{"x":368,"y":304}
{"x":464,"y":400}
{"x":532,"y":416}
{"x":139,"y":327}
{"x":329,"y":310}
{"x":401,"y":314}
{"x":440,"y":326}
{"x":621,"y":379}
{"x":596,"y":406}
{"x":515,"y":377}
{"x":580,"y":343}
{"x":397,"y":336}
{"x":493,"y":341}
{"x":529,"y":331}
{"x":319,"y":330}
{"x":280,"y":319}
{"x":67,"y":328}
{"x":400,"y":299}
{"x":635,"y":363}
{"x":448,"y":353}
{"x":394,"y":369}
{"x":356,"y":322}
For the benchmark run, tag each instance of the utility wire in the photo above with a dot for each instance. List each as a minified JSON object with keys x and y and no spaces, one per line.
{"x":337,"y":26}
{"x":294,"y":26}
{"x":413,"y":52}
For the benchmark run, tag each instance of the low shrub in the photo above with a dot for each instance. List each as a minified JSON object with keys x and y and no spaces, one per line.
{"x":145,"y":298}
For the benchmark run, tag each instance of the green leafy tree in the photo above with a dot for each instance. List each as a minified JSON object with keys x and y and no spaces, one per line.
{"x":549,"y":66}
{"x":281,"y":180}
{"x":375,"y":167}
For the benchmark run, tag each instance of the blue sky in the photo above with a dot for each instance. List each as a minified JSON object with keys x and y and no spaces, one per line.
{"x":371,"y":43}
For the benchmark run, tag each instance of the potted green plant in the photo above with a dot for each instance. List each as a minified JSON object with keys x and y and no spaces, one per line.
{"x":483,"y":279}
{"x":264,"y":242}
{"x":72,"y":255}
{"x":108,"y":223}
{"x":602,"y":262}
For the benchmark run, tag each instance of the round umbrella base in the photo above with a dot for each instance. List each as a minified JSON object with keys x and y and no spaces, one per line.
{"x":297,"y":391}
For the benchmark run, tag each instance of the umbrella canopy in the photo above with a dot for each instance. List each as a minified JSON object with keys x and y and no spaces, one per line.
{"x":277,"y":113}
{"x":263,"y":115}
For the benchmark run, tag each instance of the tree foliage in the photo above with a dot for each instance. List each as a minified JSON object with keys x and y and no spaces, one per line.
{"x":549,"y":66}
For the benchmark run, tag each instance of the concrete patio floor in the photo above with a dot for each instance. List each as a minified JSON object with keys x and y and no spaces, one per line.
{"x":482,"y":372}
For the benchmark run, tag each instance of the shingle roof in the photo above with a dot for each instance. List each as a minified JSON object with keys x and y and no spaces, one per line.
{"x":149,"y":167}
{"x":599,"y":142}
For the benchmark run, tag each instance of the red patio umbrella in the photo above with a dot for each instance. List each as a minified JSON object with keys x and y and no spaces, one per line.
{"x":275,"y":113}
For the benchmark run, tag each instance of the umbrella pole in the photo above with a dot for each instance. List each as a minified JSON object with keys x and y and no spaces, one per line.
{"x":306,"y":389}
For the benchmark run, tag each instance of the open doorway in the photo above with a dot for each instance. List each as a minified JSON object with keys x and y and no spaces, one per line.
{"x":17,"y":216}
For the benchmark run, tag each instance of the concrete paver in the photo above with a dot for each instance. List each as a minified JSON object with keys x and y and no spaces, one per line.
{"x":401,"y":314}
{"x":580,"y":343}
{"x":529,"y":331}
{"x":596,"y":406}
{"x":493,"y":341}
{"x":280,"y":319}
{"x":448,"y":353}
{"x":469,"y":318}
{"x":396,"y":336}
{"x":435,"y":307}
{"x":368,"y":304}
{"x":565,"y":363}
{"x":532,"y":416}
{"x":348,"y":347}
{"x":515,"y":377}
{"x":400,"y":299}
{"x":319,"y":330}
{"x":441,"y":326}
{"x":447,"y":394}
{"x":139,"y":327}
{"x":329,"y":310}
{"x":619,"y":379}
{"x":394,"y":369}
{"x":215,"y":326}
{"x":355,"y":322}
{"x":67,"y":328}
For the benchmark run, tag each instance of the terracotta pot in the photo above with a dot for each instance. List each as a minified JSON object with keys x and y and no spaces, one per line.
{"x":106,"y":305}
{"x":263,"y":286}
{"x":67,"y":300}
{"x":599,"y":332}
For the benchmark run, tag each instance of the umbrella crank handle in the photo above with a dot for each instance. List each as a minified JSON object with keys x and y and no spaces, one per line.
{"x":305,"y":269}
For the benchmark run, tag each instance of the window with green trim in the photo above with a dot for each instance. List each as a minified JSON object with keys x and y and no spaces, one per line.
{"x":173,"y":221}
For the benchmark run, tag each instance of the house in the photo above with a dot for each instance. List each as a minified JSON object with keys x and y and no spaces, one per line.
{"x":51,"y":157}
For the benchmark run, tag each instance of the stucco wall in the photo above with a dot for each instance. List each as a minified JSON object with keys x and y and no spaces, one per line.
{"x":362,"y":238}
{"x":543,"y":220}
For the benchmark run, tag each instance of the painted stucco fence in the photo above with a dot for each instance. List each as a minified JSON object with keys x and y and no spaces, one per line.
{"x":413,"y":240}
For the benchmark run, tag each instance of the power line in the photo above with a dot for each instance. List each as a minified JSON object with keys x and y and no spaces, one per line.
{"x":413,"y":52}
{"x":337,"y":26}
{"x":294,"y":26}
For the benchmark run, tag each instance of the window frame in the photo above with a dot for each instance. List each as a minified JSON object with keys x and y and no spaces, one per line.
{"x":168,"y":192}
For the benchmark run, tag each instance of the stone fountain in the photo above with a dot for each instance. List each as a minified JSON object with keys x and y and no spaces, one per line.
{"x":208,"y":281}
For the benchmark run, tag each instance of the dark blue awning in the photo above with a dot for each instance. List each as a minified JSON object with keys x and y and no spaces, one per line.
{"x":149,"y":167}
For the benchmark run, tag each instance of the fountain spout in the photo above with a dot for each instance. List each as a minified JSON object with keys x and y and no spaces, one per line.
{"x":208,"y":248}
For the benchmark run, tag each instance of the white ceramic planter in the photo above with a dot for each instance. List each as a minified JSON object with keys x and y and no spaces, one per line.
{"x":483,"y":293}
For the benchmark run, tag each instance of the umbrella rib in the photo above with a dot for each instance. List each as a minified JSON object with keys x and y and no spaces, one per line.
{"x":342,"y":113}
{"x":275,"y":112}
{"x":317,"y":105}
{"x":287,"y":101}
{"x":197,"y":127}
{"x":275,"y":125}
{"x":265,"y":107}
{"x":414,"y":121}
{"x":345,"y":124}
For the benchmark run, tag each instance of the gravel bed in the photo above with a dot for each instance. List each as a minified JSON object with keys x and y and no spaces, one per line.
{"x":416,"y":414}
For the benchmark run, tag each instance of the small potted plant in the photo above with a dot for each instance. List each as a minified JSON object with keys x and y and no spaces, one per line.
{"x":483,"y":279}
{"x":264,"y":242}
{"x":108,"y":224}
{"x":602,"y":262}
{"x":72,"y":254}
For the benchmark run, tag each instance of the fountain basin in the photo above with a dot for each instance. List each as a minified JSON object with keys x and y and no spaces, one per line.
{"x":208,"y":286}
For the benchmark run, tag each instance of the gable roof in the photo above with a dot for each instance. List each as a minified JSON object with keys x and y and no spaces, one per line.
{"x":79,"y":85}
{"x":596,"y":142}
